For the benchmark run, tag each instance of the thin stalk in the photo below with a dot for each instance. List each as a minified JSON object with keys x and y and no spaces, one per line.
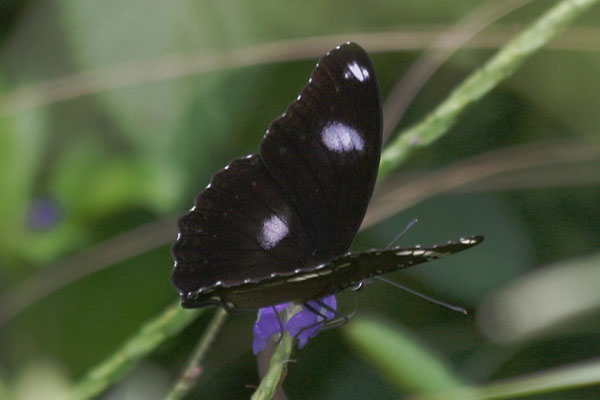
{"x":481,"y":82}
{"x":169,"y":323}
{"x":193,"y":370}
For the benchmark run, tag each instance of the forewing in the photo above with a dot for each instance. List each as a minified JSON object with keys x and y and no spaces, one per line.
{"x":324,"y":151}
{"x":301,"y":201}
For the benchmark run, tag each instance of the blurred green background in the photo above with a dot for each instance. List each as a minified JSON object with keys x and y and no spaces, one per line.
{"x":114,"y":114}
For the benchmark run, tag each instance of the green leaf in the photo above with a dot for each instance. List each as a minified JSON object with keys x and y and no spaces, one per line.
{"x":548,"y":299}
{"x":400,"y":357}
{"x":562,"y":378}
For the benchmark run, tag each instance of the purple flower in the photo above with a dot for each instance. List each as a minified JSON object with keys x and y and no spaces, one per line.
{"x":268,"y":325}
{"x":44,"y":213}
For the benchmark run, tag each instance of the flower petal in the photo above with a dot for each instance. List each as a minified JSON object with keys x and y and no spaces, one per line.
{"x":267,"y":324}
{"x":303,"y":325}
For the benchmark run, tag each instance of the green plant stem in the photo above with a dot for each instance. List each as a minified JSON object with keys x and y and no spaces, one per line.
{"x":576,"y":375}
{"x":169,"y":323}
{"x":279,"y":360}
{"x":498,"y":68}
{"x":277,"y":368}
{"x":5,"y":389}
{"x":193,"y":369}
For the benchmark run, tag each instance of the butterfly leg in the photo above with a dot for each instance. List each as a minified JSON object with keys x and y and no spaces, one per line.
{"x":340,"y":319}
{"x":281,"y":327}
{"x":305,"y":328}
{"x":327,"y":322}
{"x":317,"y":312}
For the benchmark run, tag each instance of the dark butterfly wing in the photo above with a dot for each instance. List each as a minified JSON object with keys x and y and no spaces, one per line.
{"x":341,"y":273}
{"x":240,"y":229}
{"x":301,"y":201}
{"x":324,"y":151}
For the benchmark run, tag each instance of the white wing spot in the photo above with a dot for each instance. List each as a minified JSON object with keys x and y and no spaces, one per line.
{"x":342,"y":138}
{"x":356,"y":71}
{"x":274,"y":229}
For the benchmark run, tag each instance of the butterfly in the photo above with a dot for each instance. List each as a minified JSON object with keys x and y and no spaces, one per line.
{"x":275,"y":226}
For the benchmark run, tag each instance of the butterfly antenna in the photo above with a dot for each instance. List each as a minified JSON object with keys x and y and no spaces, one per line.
{"x":423,"y":296}
{"x":410,"y":225}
